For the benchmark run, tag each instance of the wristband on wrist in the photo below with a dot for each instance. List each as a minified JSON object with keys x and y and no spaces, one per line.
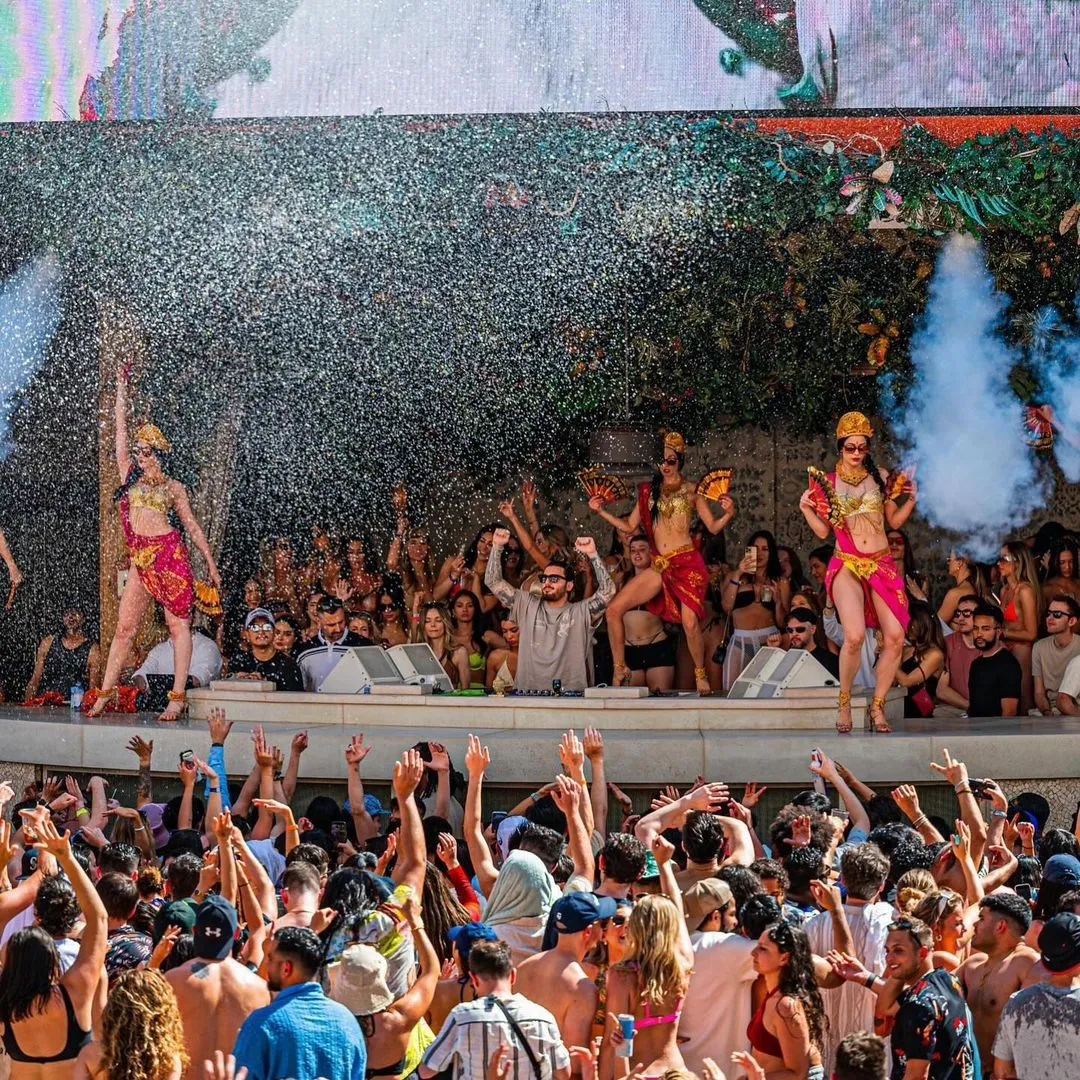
{"x":998,"y":813}
{"x":870,"y":980}
{"x":279,"y":777}
{"x":82,"y":810}
{"x":922,"y":819}
{"x":214,"y":791}
{"x":960,"y":784}
{"x":213,"y":744}
{"x":963,"y":790}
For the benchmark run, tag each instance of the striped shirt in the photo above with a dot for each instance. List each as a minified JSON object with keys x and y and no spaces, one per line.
{"x":474,"y":1030}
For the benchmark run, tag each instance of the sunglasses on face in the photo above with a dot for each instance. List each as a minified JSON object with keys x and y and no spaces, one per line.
{"x":964,"y":613}
{"x":260,"y":628}
{"x":552,"y":577}
{"x":1053,"y":613}
{"x":386,"y":607}
{"x":850,"y":448}
{"x":670,"y":461}
{"x":1007,"y":558}
{"x":792,"y":629}
{"x":143,"y":451}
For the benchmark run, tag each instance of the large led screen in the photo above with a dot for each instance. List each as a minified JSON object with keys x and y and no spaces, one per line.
{"x":142,"y":59}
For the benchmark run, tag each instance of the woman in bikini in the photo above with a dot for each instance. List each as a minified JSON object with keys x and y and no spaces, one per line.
{"x":650,"y":983}
{"x":674,"y":587}
{"x":160,"y":566}
{"x":862,"y":580}
{"x":1022,"y":606}
{"x":787,"y":1030}
{"x":650,"y":652}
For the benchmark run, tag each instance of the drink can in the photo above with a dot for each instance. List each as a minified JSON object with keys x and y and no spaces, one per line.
{"x":626,"y":1023}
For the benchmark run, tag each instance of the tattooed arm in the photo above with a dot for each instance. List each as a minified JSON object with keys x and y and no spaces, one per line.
{"x":605,"y":587}
{"x":493,"y":578}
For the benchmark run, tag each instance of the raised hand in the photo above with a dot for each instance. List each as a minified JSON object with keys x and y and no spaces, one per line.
{"x":596,"y":504}
{"x":322,"y":919}
{"x":753,"y":793}
{"x":278,"y":809}
{"x":264,"y":756}
{"x":188,"y":772}
{"x":849,"y":968}
{"x":960,"y":841}
{"x":528,"y":494}
{"x":827,"y":897}
{"x":164,"y":947}
{"x":500,"y":538}
{"x":621,"y":797}
{"x":205,"y":769}
{"x":223,"y":1068}
{"x":477,"y":757}
{"x":571,"y":752}
{"x":7,"y":849}
{"x":586,"y":545}
{"x":996,"y":795}
{"x":51,"y":788}
{"x":907,"y":799}
{"x":506,"y":508}
{"x":299,"y":743}
{"x":800,"y":832}
{"x":709,"y":797}
{"x":498,"y":1067}
{"x":592,"y":742}
{"x":356,"y":751}
{"x":1026,"y":831}
{"x":50,"y":840}
{"x":222,"y":826}
{"x":662,"y":849}
{"x":408,"y":772}
{"x":822,"y":765}
{"x":218,"y":725}
{"x":446,"y":850}
{"x":440,"y":759}
{"x":566,"y":795}
{"x":953,"y":771}
{"x":343,"y":590}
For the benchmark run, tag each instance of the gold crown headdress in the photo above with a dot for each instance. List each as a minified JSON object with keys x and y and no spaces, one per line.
{"x":853,"y":423}
{"x":674,"y":441}
{"x":152,"y":436}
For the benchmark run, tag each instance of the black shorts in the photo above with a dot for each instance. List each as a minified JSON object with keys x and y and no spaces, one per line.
{"x":644,"y":657}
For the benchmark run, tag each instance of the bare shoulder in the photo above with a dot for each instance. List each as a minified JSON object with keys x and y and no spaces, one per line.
{"x":789,"y":1007}
{"x":1023,"y":959}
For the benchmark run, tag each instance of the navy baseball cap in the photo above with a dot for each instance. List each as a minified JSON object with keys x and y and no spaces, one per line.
{"x":1062,"y":869}
{"x":468,"y":934}
{"x":577,"y":911}
{"x":215,"y":928}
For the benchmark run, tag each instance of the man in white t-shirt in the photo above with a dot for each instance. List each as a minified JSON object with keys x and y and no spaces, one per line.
{"x":717,"y":1010}
{"x":863,"y":869}
{"x":1051,"y":656}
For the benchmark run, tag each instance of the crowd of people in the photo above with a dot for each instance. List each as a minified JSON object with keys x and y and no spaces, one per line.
{"x":230,"y":933}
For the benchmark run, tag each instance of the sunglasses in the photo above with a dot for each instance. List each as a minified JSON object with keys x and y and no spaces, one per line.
{"x":793,"y":629}
{"x":260,"y":628}
{"x":387,"y":607}
{"x":670,"y":461}
{"x":617,"y":920}
{"x":851,"y":448}
{"x":1006,"y":558}
{"x":964,"y":613}
{"x":1053,"y":613}
{"x":143,"y":451}
{"x":552,"y":577}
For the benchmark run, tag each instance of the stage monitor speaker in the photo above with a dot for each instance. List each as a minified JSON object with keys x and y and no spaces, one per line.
{"x":419,"y":666}
{"x":776,"y":673}
{"x":361,"y":667}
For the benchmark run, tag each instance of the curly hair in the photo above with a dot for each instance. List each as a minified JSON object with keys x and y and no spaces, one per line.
{"x":652,"y":933}
{"x":441,"y":910}
{"x":141,"y":1032}
{"x":797,"y":976}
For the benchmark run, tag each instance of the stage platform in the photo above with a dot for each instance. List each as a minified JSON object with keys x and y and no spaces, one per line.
{"x":648,"y":742}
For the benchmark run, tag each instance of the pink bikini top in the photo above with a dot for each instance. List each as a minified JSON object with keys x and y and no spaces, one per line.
{"x":648,"y":1020}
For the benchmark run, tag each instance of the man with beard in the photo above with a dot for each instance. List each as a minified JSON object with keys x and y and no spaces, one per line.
{"x":302,"y":1032}
{"x":994,"y":679}
{"x":999,"y":963}
{"x":65,"y":659}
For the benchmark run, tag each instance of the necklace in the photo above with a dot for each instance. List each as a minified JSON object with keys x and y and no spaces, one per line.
{"x":854,"y":478}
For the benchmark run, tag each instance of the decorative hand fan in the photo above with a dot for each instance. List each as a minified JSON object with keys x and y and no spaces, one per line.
{"x":1038,"y":431}
{"x":826,"y":504}
{"x":715,"y":484}
{"x":207,"y":599}
{"x":897,"y":481}
{"x":599,"y":484}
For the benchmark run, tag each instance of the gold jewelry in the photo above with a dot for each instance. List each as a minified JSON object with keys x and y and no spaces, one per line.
{"x":854,"y":423}
{"x":854,"y":478}
{"x":152,"y":436}
{"x":177,"y":695}
{"x":700,"y":673}
{"x":674,"y":441}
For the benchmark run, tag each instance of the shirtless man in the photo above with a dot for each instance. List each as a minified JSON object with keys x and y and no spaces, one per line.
{"x":650,"y":653}
{"x":556,"y":979}
{"x":300,"y":889}
{"x":215,"y":993}
{"x":998,"y":966}
{"x":511,"y":634}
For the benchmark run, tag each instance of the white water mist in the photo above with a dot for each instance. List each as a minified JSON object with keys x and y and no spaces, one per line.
{"x":1055,"y":356}
{"x":29,"y":315}
{"x":960,"y":420}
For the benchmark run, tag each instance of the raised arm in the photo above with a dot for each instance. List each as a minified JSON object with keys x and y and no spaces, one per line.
{"x":906,"y":797}
{"x":143,"y":749}
{"x":605,"y":587}
{"x":593,"y":744}
{"x":123,"y":452}
{"x":957,"y":775}
{"x":366,"y":825}
{"x":706,"y":797}
{"x":411,"y":851}
{"x":506,"y":508}
{"x":292,"y":772}
{"x":477,"y":760}
{"x":440,"y":765}
{"x":818,"y":527}
{"x":493,"y":578}
{"x":572,"y":757}
{"x":711,"y":522}
{"x":663,"y":850}
{"x":896,"y":516}
{"x":629,"y":524}
{"x":827,"y":770}
{"x":415,"y":1002}
{"x":568,"y":795}
{"x":39,"y":667}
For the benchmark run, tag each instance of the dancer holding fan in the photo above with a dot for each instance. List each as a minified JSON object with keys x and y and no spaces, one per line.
{"x":856,"y":502}
{"x":161,"y":568}
{"x":674,"y":588}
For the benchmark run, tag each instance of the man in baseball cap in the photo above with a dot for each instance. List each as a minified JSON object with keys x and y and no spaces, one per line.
{"x":215,"y":928}
{"x":555,"y":978}
{"x":1038,"y":1033}
{"x":1062,"y":869}
{"x":709,"y":907}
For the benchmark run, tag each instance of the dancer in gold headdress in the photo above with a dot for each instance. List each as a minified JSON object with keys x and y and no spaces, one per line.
{"x":161,"y":568}
{"x":855,"y":502}
{"x":674,"y":588}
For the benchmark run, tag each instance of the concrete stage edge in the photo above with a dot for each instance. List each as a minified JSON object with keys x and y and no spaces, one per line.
{"x":647,"y":742}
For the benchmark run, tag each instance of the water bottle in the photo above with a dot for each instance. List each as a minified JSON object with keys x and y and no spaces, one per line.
{"x":76,"y":696}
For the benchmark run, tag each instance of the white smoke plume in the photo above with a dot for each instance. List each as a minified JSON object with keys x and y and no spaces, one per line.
{"x":1055,"y":356}
{"x":29,"y":316}
{"x":960,"y":421}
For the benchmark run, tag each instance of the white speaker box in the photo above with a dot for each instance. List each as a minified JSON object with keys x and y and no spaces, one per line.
{"x":776,"y":672}
{"x":361,"y":667}
{"x":418,"y":665}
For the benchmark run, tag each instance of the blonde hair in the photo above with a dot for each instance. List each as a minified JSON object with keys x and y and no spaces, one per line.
{"x":912,"y":888}
{"x":420,"y":635}
{"x":141,"y":1032}
{"x":652,"y":935}
{"x":933,"y":908}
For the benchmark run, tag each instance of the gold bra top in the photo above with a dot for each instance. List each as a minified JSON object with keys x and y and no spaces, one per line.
{"x":150,"y":498}
{"x":679,"y":504}
{"x":864,"y":512}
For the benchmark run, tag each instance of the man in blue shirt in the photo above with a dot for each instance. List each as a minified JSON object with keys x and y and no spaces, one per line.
{"x":301,"y":1033}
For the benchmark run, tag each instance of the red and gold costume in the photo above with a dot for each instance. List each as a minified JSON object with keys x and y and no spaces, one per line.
{"x":850,"y":514}
{"x":683,"y":572}
{"x":162,"y":562}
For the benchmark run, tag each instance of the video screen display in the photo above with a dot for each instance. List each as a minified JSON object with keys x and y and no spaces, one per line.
{"x":151,"y":59}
